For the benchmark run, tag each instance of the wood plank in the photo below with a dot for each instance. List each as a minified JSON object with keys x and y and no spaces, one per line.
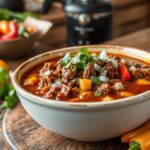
{"x":140,"y":39}
{"x":131,"y":14}
{"x":25,"y":134}
{"x":56,"y":35}
{"x":56,"y":14}
{"x":3,"y":145}
{"x":124,"y":3}
{"x":130,"y":27}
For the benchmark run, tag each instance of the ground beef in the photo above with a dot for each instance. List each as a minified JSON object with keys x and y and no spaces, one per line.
{"x":58,"y":71}
{"x":80,"y":74}
{"x":101,"y":63}
{"x":66,"y":90}
{"x":73,"y":83}
{"x":111,"y":72}
{"x":44,"y":90}
{"x":105,"y":88}
{"x":114,"y":80}
{"x":137,"y":73}
{"x":75,"y":91}
{"x":52,"y":93}
{"x":89,"y":71}
{"x":116,"y":57}
{"x":67,"y":74}
{"x":45,"y":81}
{"x":48,"y":66}
{"x":146,"y":71}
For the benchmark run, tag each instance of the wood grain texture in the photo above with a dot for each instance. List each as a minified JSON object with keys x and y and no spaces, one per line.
{"x":131,"y":14}
{"x":125,"y":3}
{"x":3,"y":145}
{"x":140,"y":39}
{"x":130,"y":27}
{"x":25,"y":134}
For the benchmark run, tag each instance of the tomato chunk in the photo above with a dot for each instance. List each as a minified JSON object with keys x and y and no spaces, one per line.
{"x":125,"y":75}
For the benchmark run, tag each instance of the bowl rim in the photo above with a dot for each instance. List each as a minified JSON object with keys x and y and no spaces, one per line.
{"x":145,"y":96}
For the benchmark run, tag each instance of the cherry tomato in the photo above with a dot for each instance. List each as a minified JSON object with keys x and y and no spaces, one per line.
{"x":4,"y":27}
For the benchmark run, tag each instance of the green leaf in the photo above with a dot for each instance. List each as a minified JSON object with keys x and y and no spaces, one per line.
{"x":84,"y":58}
{"x":98,"y":93}
{"x":7,"y":91}
{"x":67,"y":58}
{"x":84,"y":50}
{"x":135,"y":146}
{"x":6,"y":14}
{"x":95,"y":80}
{"x":3,"y":75}
{"x":3,"y":82}
{"x":81,"y":65}
{"x":3,"y":90}
{"x":11,"y":98}
{"x":93,"y":59}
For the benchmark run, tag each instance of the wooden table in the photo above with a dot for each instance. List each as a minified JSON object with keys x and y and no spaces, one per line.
{"x":140,"y":39}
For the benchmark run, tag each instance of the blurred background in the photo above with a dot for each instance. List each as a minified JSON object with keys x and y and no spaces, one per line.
{"x":80,"y":22}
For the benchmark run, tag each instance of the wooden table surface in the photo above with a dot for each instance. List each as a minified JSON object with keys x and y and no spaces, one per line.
{"x":140,"y":39}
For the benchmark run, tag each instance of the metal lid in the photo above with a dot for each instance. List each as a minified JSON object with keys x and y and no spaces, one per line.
{"x":88,"y":6}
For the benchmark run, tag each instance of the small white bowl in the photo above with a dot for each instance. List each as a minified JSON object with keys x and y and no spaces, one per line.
{"x":93,"y":121}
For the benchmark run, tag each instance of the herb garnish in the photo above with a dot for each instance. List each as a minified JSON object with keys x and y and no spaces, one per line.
{"x":7,"y":91}
{"x":95,"y":80}
{"x":84,"y":50}
{"x":64,"y":61}
{"x":80,"y":60}
{"x":6,"y":14}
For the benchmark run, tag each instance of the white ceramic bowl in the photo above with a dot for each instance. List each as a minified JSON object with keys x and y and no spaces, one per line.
{"x":93,"y":121}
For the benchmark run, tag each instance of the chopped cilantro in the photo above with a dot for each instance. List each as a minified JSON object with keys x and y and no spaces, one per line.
{"x":64,"y":61}
{"x":81,"y":60}
{"x":93,"y":59}
{"x":7,"y":91}
{"x":95,"y":80}
{"x":84,"y":50}
{"x":84,"y":58}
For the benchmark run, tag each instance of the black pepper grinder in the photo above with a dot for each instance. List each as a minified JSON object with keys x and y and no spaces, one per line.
{"x":88,"y":21}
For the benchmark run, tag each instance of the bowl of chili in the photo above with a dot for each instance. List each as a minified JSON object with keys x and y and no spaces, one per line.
{"x":105,"y":112}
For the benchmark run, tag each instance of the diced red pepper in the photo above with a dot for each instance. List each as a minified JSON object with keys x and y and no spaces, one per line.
{"x":13,"y":31}
{"x":125,"y":75}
